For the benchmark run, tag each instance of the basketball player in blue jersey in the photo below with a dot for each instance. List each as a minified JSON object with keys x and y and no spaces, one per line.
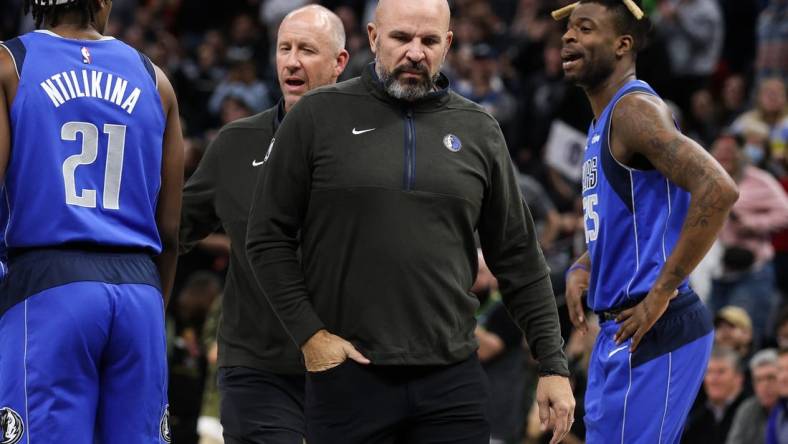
{"x":91,"y":156}
{"x":653,"y":203}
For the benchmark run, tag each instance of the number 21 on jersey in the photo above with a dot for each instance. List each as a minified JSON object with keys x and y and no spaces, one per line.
{"x":112,"y":171}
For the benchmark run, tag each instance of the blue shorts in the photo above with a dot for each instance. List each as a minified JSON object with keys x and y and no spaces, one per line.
{"x":83,"y":362}
{"x":645,"y":397}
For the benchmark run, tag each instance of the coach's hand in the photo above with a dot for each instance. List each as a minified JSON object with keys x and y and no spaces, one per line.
{"x":635,"y":322}
{"x":556,"y":405}
{"x":576,"y":283}
{"x":324,"y":351}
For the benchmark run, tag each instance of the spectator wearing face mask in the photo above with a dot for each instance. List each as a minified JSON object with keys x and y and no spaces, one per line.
{"x":757,"y":147}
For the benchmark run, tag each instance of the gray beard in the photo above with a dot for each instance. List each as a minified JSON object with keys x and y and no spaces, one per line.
{"x":408,"y":92}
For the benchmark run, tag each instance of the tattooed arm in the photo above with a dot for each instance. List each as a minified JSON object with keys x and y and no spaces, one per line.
{"x":643,"y":125}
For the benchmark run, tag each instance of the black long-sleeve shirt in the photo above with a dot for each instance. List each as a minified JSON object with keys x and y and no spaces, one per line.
{"x":220,"y":193}
{"x":386,"y":196}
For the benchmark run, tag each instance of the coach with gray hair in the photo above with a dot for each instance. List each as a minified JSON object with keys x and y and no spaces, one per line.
{"x":260,"y":377}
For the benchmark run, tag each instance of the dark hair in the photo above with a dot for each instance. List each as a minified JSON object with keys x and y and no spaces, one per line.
{"x":52,"y":13}
{"x":626,"y":23}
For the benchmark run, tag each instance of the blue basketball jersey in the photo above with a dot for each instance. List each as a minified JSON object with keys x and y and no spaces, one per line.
{"x":632,"y":217}
{"x":87,"y":128}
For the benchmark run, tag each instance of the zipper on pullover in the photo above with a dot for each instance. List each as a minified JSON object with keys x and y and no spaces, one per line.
{"x":409,"y":174}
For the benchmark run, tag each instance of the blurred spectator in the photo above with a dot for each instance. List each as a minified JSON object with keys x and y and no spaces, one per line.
{"x":771,"y":108}
{"x":756,"y":147}
{"x":777,"y":428}
{"x":702,"y":124}
{"x":694,"y":32}
{"x":247,"y":42}
{"x":196,"y":79}
{"x":503,"y":358}
{"x":242,"y":83}
{"x":233,"y":108}
{"x":772,"y":58}
{"x":186,"y":354}
{"x":749,"y":423}
{"x":711,"y":417}
{"x":733,"y":99}
{"x":748,"y":280}
{"x":733,"y":330}
{"x":486,"y":87}
{"x":541,"y":98}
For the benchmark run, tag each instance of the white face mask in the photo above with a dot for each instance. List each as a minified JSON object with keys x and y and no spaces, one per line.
{"x":754,"y":152}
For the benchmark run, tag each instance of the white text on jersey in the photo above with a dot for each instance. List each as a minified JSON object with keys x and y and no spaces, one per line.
{"x":65,"y":86}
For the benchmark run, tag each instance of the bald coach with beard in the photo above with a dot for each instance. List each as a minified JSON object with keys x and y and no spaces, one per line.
{"x":381,"y":181}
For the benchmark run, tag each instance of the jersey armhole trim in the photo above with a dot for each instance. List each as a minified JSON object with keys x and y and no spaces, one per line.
{"x":146,"y":62}
{"x":610,"y":124}
{"x":21,"y":48}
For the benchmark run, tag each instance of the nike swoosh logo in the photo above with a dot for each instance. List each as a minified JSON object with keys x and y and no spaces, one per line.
{"x":617,"y":350}
{"x":257,"y":164}
{"x":355,"y":132}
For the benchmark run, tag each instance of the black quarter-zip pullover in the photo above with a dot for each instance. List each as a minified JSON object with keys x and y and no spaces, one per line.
{"x":386,"y":196}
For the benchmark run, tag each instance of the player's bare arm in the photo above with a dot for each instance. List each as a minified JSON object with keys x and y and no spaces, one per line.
{"x":169,"y":207}
{"x":8,"y":84}
{"x":577,"y":279}
{"x":644,"y":126}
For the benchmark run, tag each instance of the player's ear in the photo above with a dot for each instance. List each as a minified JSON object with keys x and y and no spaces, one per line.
{"x":624,"y":44}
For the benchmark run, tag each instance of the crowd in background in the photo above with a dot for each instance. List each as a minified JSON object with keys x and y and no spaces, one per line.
{"x":722,"y":64}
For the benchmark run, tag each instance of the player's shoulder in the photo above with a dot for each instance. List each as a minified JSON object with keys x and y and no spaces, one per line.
{"x":8,"y":67}
{"x":641,"y":108}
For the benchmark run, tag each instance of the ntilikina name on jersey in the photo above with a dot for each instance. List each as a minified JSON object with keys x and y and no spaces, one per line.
{"x":65,"y":86}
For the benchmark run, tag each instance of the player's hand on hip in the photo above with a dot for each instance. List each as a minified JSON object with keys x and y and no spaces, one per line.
{"x":324,"y":351}
{"x":556,"y":405}
{"x":635,"y":322}
{"x":577,"y":283}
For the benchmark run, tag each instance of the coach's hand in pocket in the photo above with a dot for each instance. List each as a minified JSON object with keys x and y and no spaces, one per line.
{"x":324,"y":351}
{"x":635,"y":322}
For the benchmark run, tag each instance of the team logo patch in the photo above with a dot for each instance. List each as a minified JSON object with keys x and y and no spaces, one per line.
{"x":11,"y":426}
{"x":86,"y":58}
{"x":164,"y":425}
{"x":452,"y":143}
